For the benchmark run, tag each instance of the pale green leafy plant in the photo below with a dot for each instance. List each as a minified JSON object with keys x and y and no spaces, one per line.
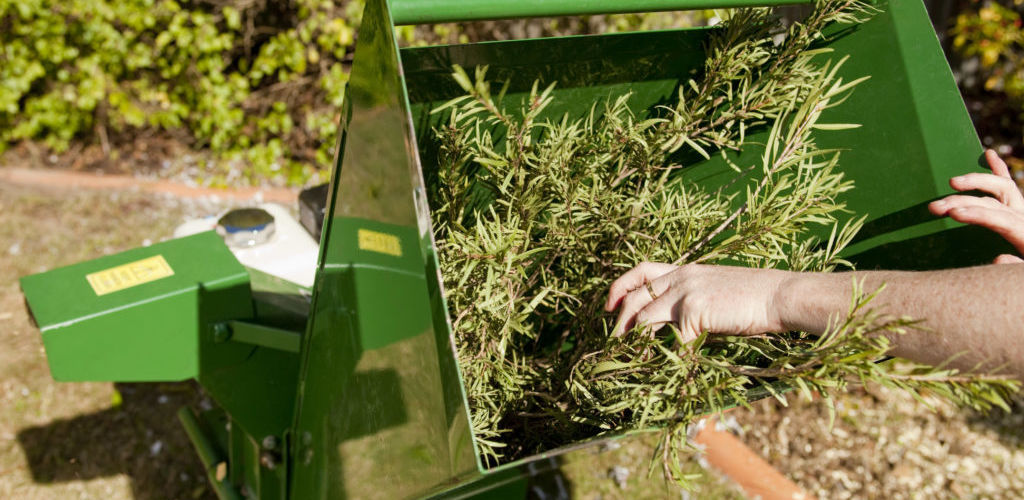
{"x":534,"y":218}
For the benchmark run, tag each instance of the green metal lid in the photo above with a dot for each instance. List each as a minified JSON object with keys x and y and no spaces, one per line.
{"x":69,"y":294}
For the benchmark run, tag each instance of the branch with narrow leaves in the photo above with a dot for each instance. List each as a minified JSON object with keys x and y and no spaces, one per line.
{"x":536,"y":215}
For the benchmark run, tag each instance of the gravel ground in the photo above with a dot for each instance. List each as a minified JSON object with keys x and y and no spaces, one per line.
{"x":885,"y":444}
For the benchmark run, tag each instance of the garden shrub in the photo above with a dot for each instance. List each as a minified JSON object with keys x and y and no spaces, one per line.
{"x":258,"y":83}
{"x":989,"y":38}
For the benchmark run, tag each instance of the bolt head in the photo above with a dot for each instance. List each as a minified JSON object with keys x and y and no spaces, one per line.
{"x":221,"y":332}
{"x":268,"y":460}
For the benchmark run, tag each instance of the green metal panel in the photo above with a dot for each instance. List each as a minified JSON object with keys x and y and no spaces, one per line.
{"x":279,"y":302}
{"x":444,"y":11}
{"x":259,"y":335}
{"x":377,"y":416}
{"x":916,"y":135}
{"x":255,"y":385}
{"x":252,"y":374}
{"x":146,"y":331}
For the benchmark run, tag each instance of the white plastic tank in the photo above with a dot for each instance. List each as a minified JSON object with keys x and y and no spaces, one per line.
{"x":289,"y":252}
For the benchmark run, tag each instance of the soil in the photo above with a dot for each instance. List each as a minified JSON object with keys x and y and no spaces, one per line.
{"x":146,"y":156}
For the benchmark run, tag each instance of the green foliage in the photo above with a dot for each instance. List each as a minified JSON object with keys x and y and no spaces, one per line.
{"x":988,"y":38}
{"x":535,"y":218}
{"x":995,"y":35}
{"x":258,"y":83}
{"x":238,"y":77}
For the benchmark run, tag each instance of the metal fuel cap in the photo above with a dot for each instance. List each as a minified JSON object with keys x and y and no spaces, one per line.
{"x":246,"y":227}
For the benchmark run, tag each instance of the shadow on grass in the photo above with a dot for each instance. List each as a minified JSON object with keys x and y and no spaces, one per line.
{"x":140,"y":438}
{"x":1008,"y":426}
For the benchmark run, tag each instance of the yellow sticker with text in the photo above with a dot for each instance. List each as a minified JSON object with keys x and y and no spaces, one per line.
{"x":380,"y":242}
{"x":129,"y":275}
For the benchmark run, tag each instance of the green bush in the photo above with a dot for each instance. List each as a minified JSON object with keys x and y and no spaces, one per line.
{"x":258,"y":83}
{"x":993,"y":33}
{"x":989,"y":38}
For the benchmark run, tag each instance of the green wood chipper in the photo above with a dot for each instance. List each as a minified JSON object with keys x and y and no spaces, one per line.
{"x":351,"y":389}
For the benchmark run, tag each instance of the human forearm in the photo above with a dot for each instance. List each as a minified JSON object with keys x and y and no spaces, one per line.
{"x":975,"y":314}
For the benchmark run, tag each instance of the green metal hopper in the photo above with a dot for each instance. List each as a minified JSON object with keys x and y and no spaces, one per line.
{"x":362,"y":398}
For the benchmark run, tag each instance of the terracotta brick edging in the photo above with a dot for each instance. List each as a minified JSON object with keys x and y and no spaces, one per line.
{"x":756,"y":477}
{"x":80,"y":180}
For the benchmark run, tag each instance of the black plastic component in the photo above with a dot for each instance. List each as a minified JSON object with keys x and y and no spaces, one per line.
{"x":312,"y":205}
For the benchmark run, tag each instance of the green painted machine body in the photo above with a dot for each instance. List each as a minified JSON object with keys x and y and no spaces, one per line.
{"x":86,"y":334}
{"x":143,"y":322}
{"x":357,"y":393}
{"x":406,"y":12}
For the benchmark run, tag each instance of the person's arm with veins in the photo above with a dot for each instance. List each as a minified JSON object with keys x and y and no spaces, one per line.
{"x":974,"y":316}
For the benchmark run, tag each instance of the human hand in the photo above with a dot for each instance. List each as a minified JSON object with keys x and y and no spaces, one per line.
{"x":1003,"y":214}
{"x":698,"y":298}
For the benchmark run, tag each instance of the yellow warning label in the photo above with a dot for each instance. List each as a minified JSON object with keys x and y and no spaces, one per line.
{"x":380,"y":242}
{"x":129,"y":275}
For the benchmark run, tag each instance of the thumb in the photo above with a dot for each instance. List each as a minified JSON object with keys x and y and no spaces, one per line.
{"x":1008,"y":259}
{"x":687,"y":331}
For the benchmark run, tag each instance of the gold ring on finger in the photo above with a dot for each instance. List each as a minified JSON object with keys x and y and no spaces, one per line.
{"x":650,"y":290}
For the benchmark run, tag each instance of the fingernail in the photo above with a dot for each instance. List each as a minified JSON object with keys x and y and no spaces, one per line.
{"x":957,"y":178}
{"x":939,"y":203}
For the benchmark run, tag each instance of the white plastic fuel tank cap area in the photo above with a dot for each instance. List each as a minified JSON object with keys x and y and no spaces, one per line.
{"x":286,"y":251}
{"x":246,"y":227}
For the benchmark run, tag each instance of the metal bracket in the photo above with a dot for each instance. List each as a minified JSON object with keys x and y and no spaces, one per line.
{"x":261,"y":335}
